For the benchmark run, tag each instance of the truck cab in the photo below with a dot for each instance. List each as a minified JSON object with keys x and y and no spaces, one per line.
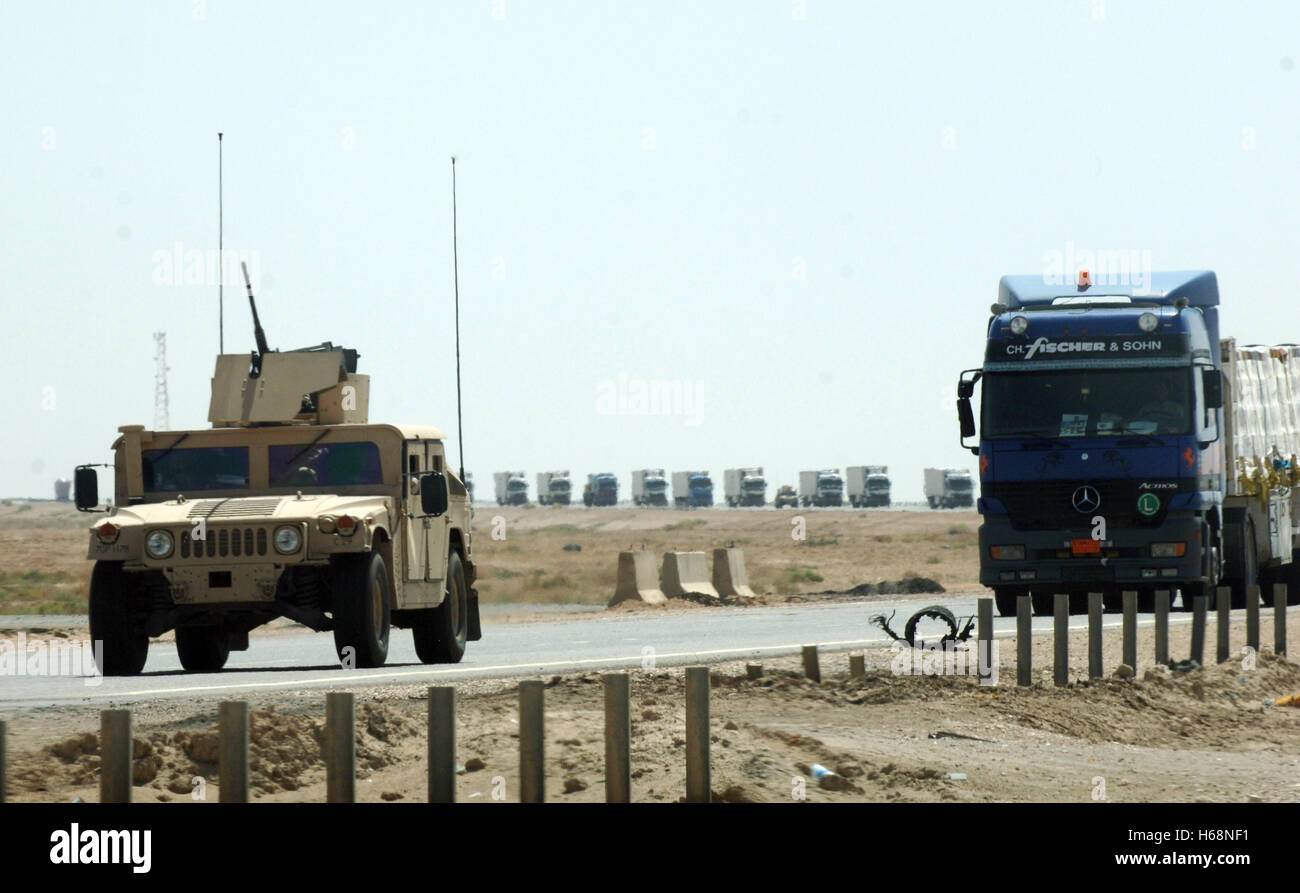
{"x":1101,"y":442}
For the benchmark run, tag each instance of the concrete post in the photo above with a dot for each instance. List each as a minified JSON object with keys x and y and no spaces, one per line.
{"x":532,"y":764}
{"x":1279,"y":618}
{"x":442,"y":744}
{"x":618,"y":738}
{"x":1061,"y":639}
{"x":984,"y":638}
{"x":1200,"y":604}
{"x":1162,"y":626}
{"x":232,"y":746}
{"x":1252,"y":617}
{"x":1222,"y":623}
{"x":698,"y":782}
{"x":1095,"y":669}
{"x":857,"y":666}
{"x":115,"y":750}
{"x":1024,"y":641}
{"x":340,"y":748}
{"x":1131,"y":629}
{"x":754,"y":671}
{"x":2,"y":761}
{"x":811,"y":667}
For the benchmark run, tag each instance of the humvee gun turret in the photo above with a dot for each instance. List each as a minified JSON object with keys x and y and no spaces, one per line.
{"x":291,"y":505}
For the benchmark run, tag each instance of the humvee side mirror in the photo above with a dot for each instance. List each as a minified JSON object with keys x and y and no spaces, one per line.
{"x":1212,"y":382}
{"x":433,"y":493}
{"x":86,"y":487}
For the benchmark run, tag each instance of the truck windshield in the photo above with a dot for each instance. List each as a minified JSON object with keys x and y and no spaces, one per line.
{"x":959,"y":483}
{"x":190,"y":470}
{"x":1088,"y":403}
{"x":325,"y":465}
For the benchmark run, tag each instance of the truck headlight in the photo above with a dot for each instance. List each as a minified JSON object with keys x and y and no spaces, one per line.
{"x":159,"y":544}
{"x":1008,"y":553}
{"x":1147,"y":322}
{"x":287,"y":540}
{"x":1168,"y":550}
{"x":1018,"y":325}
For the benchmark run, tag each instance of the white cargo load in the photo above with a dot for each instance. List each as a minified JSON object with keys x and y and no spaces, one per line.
{"x":1261,"y":396}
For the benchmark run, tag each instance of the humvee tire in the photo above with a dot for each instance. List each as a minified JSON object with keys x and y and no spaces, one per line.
{"x":114,"y":623}
{"x":362,"y":609}
{"x":202,"y":649}
{"x":440,"y":632}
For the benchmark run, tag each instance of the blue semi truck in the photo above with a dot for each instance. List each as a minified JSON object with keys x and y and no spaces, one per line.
{"x":1124,"y":446}
{"x":692,"y":489}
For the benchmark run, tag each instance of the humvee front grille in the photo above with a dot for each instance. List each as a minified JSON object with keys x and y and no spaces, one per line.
{"x":223,"y":542}
{"x":234,"y":508}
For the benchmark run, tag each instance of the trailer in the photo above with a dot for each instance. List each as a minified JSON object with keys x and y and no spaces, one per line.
{"x":744,"y":486}
{"x":867,"y":485}
{"x":511,"y":487}
{"x":649,"y":487}
{"x":553,"y":488}
{"x":821,"y":488}
{"x":949,"y":488}
{"x":692,"y":489}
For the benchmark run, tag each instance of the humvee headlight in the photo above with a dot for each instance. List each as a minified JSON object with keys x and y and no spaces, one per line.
{"x":159,"y":544}
{"x":1018,"y":325}
{"x":287,"y":540}
{"x":1147,"y":322}
{"x":326,"y":524}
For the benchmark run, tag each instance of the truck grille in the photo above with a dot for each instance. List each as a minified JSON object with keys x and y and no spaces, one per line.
{"x":225,"y":542}
{"x":234,"y":508}
{"x":1048,"y":505}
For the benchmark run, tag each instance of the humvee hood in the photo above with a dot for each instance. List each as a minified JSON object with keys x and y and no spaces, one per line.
{"x":252,"y":508}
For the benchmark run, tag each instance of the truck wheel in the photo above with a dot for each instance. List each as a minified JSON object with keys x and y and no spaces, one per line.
{"x":115,"y":622}
{"x":1112,"y":601}
{"x":1005,"y":599}
{"x":1249,"y":568}
{"x":440,"y":633}
{"x":1146,"y":601}
{"x":361,"y":610}
{"x":202,"y":649}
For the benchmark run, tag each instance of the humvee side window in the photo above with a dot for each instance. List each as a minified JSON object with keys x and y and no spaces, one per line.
{"x":195,"y":469}
{"x":325,"y":465}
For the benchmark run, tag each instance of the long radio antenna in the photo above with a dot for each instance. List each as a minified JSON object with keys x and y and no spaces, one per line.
{"x":455,"y":268}
{"x":221,"y":254}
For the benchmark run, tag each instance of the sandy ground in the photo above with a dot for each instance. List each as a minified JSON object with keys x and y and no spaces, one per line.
{"x":1209,"y":734}
{"x":522,"y":556}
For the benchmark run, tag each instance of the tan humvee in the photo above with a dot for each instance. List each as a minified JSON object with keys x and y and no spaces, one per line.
{"x":291,"y":505}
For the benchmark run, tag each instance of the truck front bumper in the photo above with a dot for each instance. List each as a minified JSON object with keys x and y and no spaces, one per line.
{"x":1125,"y":559}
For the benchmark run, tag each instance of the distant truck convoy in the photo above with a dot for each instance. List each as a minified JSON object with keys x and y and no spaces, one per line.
{"x":601,"y":489}
{"x":786,"y":496}
{"x":553,"y":488}
{"x":868,"y":485}
{"x":744,"y":486}
{"x":649,"y":487}
{"x":948,"y":488}
{"x":1124,"y":444}
{"x":512,"y":488}
{"x":692,"y":488}
{"x":821,"y":488}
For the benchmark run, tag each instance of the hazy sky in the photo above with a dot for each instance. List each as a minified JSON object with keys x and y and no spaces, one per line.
{"x":794,"y":212}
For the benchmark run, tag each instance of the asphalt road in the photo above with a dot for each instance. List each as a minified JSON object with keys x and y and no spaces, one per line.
{"x":597,"y":642}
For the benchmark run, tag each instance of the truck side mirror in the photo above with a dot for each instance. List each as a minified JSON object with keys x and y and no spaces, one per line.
{"x":433,"y":493}
{"x":966,"y":417}
{"x":1212,"y":381}
{"x":965,"y":389}
{"x":86,"y":487}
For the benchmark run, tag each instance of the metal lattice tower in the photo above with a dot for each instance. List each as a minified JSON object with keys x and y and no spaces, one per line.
{"x":161,"y":411}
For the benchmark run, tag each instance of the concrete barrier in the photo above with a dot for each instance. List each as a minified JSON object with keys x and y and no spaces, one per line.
{"x":638,"y":580}
{"x":729,"y":576}
{"x":687,"y":572}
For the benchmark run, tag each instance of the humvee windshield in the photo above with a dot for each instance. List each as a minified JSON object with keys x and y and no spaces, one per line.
{"x":325,"y":465}
{"x":188,"y":470}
